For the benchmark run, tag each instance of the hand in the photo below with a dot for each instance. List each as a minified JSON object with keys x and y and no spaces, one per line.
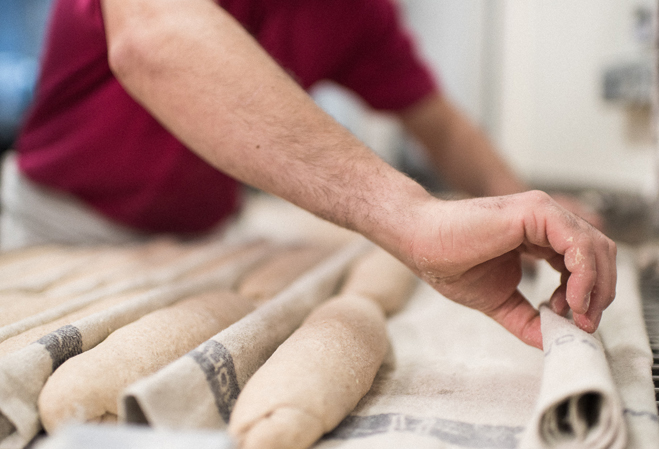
{"x":470,"y":251}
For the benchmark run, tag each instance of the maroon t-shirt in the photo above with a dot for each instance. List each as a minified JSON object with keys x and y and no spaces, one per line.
{"x":85,"y":135}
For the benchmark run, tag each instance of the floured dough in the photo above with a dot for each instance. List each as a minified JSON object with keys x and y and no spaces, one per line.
{"x":279,"y":271}
{"x":314,"y":379}
{"x":380,"y":276}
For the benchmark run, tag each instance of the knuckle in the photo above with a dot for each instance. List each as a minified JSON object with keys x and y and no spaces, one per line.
{"x":539,"y":197}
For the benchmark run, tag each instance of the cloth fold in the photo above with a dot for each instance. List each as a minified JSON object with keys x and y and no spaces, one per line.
{"x":215,"y":372}
{"x":578,"y":405}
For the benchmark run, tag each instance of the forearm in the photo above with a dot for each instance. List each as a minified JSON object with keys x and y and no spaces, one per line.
{"x":458,"y":150}
{"x":206,"y":80}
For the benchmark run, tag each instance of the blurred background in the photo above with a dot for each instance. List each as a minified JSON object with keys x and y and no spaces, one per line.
{"x":565,"y":89}
{"x":22,"y":24}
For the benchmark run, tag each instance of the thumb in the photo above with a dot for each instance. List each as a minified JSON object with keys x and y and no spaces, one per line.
{"x":520,"y":318}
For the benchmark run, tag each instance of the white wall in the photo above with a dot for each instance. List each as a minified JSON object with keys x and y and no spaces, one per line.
{"x":530,"y":72}
{"x":553,"y":123}
{"x":450,"y":34}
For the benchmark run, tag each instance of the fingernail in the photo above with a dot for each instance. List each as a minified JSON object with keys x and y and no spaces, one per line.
{"x":589,"y":324}
{"x":583,"y":323}
{"x":596,"y":320}
{"x":559,"y":307}
{"x":586,"y":303}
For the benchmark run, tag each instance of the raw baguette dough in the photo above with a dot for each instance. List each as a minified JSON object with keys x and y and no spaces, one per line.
{"x":314,"y":379}
{"x":277,"y":272}
{"x":383,"y":278}
{"x":87,"y":386}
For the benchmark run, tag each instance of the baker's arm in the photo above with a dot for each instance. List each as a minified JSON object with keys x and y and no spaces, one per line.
{"x":206,"y":80}
{"x":464,"y":156}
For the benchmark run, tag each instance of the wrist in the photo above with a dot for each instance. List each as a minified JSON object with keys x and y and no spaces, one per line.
{"x":393,"y":222}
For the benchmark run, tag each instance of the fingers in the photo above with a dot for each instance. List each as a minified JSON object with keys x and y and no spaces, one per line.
{"x":603,"y":291}
{"x":587,"y":260}
{"x":519,"y":317}
{"x":581,"y":262}
{"x":557,"y":302}
{"x":591,"y":283}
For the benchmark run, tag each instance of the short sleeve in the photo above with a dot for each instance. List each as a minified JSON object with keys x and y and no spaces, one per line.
{"x":383,"y":66}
